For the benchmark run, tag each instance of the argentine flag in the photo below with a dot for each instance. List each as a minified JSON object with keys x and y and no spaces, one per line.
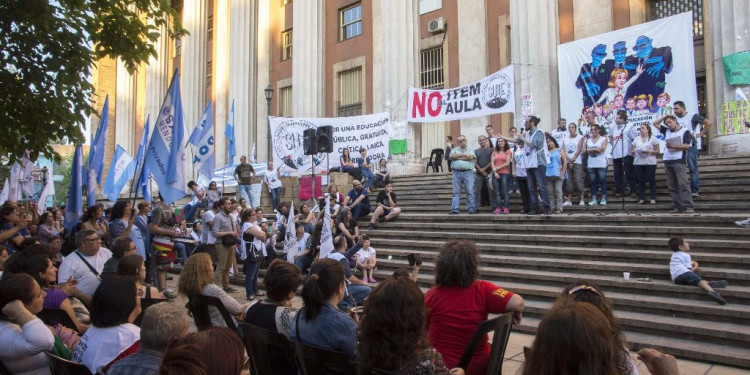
{"x":121,"y":170}
{"x":203,"y":139}
{"x":165,"y":155}
{"x":74,"y":208}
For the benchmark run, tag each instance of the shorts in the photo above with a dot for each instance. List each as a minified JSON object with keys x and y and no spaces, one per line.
{"x":688,"y":278}
{"x":164,"y":252}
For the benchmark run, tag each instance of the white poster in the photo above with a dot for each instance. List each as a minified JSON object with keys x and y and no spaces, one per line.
{"x":642,"y":69}
{"x":491,"y":95}
{"x":368,"y":131}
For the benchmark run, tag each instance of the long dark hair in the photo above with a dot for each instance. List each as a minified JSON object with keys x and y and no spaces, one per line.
{"x":457,"y":264}
{"x":497,"y":145}
{"x":130,"y":266}
{"x":394,"y":329}
{"x":216,"y":350}
{"x":118,"y":210}
{"x":17,"y":286}
{"x":90,"y":212}
{"x":326,"y":276}
{"x":574,"y":338}
{"x":345,"y":154}
{"x":5,"y":211}
{"x":113,"y":301}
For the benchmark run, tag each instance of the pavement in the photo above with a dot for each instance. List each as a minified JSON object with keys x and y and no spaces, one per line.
{"x":514,"y":358}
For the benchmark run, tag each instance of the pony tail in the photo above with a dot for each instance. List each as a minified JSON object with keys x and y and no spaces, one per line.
{"x":313,"y":297}
{"x":650,"y":98}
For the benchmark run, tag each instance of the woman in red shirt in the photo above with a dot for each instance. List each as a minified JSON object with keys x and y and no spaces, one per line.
{"x":501,"y":159}
{"x":458,"y":303}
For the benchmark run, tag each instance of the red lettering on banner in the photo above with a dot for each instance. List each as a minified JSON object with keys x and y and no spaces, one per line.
{"x":434,"y":111}
{"x":433,"y":104}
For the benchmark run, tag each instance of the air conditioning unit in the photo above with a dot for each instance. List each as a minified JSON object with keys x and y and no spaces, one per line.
{"x":436,"y":26}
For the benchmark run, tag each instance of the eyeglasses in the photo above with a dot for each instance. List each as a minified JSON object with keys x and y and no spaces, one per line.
{"x":92,"y":239}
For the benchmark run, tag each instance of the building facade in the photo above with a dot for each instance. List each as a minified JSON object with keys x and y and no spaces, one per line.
{"x":335,"y":58}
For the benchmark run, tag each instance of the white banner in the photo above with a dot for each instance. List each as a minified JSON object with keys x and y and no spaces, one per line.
{"x":353,"y":133}
{"x":491,"y":95}
{"x":643,"y":69}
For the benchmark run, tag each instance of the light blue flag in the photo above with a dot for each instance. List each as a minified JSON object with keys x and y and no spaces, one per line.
{"x":90,"y":187}
{"x":205,"y":158}
{"x":99,"y":144}
{"x":204,"y":124}
{"x":74,"y":207}
{"x":229,"y":133}
{"x":165,"y":155}
{"x":120,"y":172}
{"x":140,"y":159}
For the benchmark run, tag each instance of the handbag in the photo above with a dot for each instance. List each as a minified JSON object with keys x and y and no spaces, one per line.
{"x":254,"y":254}
{"x":228,"y":240}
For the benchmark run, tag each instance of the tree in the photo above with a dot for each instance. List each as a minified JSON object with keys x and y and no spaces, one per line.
{"x":47,"y":50}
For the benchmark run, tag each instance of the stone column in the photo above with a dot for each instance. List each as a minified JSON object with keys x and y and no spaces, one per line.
{"x":158,"y":77}
{"x":727,"y":31}
{"x":193,"y":62}
{"x":534,"y":55}
{"x":472,"y":43}
{"x":124,"y":112}
{"x":222,"y":99}
{"x":395,"y":67}
{"x":308,"y":64}
{"x":242,"y":44}
{"x":262,"y":77}
{"x":590,"y":17}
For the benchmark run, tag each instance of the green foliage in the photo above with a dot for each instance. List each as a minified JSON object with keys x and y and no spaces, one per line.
{"x":63,"y":168}
{"x":47,"y":50}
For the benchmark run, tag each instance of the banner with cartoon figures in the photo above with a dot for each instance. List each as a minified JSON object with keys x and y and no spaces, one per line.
{"x":491,"y":95}
{"x":642,"y":69}
{"x":349,"y":133}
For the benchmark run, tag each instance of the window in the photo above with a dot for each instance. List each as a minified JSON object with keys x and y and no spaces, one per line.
{"x":427,"y":6}
{"x":431,"y":71}
{"x":286,"y":45}
{"x":666,"y":8}
{"x":209,"y":75}
{"x":285,"y":101}
{"x":177,"y":47}
{"x":351,"y":22}
{"x":350,"y":92}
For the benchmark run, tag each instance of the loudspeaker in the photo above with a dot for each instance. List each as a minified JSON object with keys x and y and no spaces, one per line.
{"x":309,"y":143}
{"x":325,"y":138}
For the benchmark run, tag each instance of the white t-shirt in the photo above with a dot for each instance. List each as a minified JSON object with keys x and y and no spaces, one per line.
{"x":674,"y":154}
{"x":363,"y":254}
{"x":571,"y":147}
{"x":618,"y":133}
{"x":72,"y":265}
{"x":99,"y":346}
{"x":642,"y":158}
{"x":559,"y":135}
{"x":599,"y":161}
{"x":302,"y":242}
{"x":23,"y":348}
{"x":207,"y":237}
{"x":520,"y":159}
{"x":679,"y":264}
{"x":272,"y":179}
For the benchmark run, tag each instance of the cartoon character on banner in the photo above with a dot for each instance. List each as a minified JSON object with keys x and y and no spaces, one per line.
{"x":656,"y":62}
{"x":593,"y":76}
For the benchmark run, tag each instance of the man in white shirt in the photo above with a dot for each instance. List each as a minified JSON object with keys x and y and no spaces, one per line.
{"x":207,"y":238}
{"x":273,"y":180}
{"x":85,"y":264}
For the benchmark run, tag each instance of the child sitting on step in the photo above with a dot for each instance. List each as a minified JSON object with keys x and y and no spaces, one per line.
{"x":683,"y":270}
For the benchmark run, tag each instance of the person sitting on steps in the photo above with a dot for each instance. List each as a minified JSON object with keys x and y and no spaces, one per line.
{"x":683,"y":270}
{"x":386,"y":210}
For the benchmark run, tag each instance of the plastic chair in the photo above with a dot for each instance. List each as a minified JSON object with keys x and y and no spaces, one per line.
{"x":146,"y":303}
{"x":264,"y":348}
{"x":436,"y":160}
{"x":61,"y":366}
{"x":313,"y":360}
{"x":501,"y":326}
{"x":198,"y":305}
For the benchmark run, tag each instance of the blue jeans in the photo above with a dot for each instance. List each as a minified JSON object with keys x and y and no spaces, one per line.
{"x":303,"y":262}
{"x":502,"y":196}
{"x":537,"y":179}
{"x":362,"y":209}
{"x":356,"y":294}
{"x":246,"y":192}
{"x":646,"y":173}
{"x":598,"y":178}
{"x":463,"y":179}
{"x":275,"y":193}
{"x":189,"y":210}
{"x":251,"y":277}
{"x":181,"y":251}
{"x":369,"y":177}
{"x":692,"y":161}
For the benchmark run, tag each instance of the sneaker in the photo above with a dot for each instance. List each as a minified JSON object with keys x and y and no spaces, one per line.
{"x":718,"y":284}
{"x":717,"y":297}
{"x":453,"y":213}
{"x":370,"y":227}
{"x":250,"y":298}
{"x":567,"y":204}
{"x":689,"y":211}
{"x":581,"y":203}
{"x":676,"y":211}
{"x":381,"y":220}
{"x":696,"y":195}
{"x":496,"y":211}
{"x":506,"y":210}
{"x":641,"y":201}
{"x":372,"y":280}
{"x":557,"y":212}
{"x":743,"y":223}
{"x":592,"y":202}
{"x":603,"y":202}
{"x":653,"y":201}
{"x":472,"y":212}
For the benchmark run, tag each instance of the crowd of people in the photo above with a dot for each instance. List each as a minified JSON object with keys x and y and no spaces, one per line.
{"x":550,"y":169}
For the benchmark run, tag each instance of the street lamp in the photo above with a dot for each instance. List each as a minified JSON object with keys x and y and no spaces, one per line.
{"x":269,"y":95}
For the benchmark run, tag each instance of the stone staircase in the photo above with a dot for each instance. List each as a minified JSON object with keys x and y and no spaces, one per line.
{"x":537,"y":256}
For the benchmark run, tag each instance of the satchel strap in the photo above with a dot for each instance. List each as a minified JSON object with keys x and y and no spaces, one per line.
{"x":91,"y":268}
